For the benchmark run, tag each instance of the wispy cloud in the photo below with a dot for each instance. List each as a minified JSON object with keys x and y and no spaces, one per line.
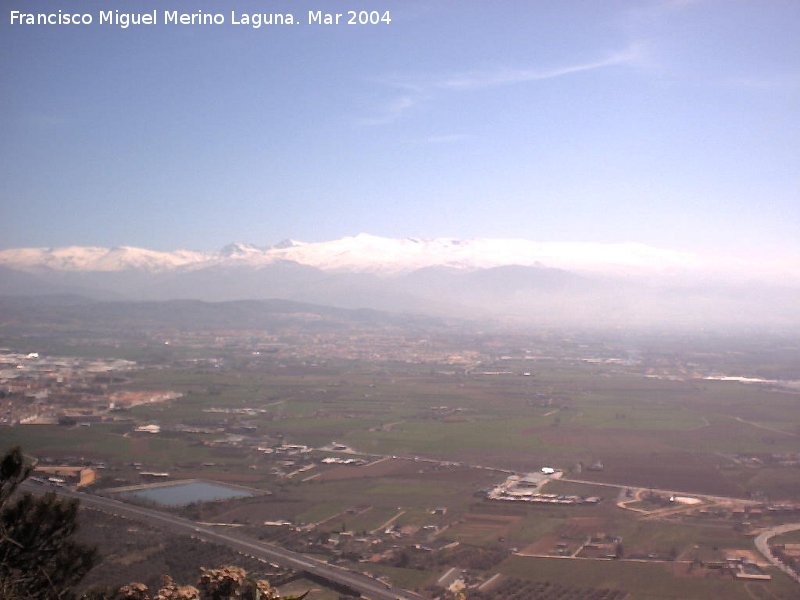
{"x":510,"y":76}
{"x":414,"y":92}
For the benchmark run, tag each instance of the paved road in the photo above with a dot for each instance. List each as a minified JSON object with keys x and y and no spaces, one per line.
{"x":762,"y":543}
{"x":367,"y":586}
{"x":661,"y":491}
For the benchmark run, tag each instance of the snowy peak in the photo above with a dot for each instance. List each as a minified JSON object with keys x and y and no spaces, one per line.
{"x":92,"y":258}
{"x":362,"y":253}
{"x":386,"y":257}
{"x":368,"y":253}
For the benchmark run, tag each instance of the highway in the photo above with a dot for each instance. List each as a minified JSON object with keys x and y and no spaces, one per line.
{"x":762,"y":543}
{"x":366,"y":586}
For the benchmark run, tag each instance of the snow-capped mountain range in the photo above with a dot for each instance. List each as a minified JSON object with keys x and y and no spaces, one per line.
{"x":360,"y":254}
{"x":542,"y":282}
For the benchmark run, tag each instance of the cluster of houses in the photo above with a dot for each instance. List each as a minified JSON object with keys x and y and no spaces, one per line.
{"x":37,"y":389}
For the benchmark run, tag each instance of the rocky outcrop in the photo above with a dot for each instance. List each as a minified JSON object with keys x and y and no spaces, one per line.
{"x":231,"y":583}
{"x":134,"y":591}
{"x":171,"y":591}
{"x":226,"y":583}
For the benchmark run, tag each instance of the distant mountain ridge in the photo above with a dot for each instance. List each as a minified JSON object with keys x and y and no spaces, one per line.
{"x":362,"y":253}
{"x":67,"y":311}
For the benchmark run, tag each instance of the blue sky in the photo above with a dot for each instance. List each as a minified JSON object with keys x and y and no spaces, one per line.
{"x":672,"y":123}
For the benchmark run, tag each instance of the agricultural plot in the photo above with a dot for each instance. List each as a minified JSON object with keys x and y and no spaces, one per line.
{"x":519,"y":589}
{"x":476,"y":528}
